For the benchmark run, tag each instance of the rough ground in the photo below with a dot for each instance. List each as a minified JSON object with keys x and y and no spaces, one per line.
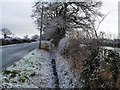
{"x":36,"y":66}
{"x":41,"y":69}
{"x":67,"y":78}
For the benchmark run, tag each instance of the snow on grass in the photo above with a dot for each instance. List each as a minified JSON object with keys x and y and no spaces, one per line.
{"x":67,"y":79}
{"x":0,"y":79}
{"x":33,"y":71}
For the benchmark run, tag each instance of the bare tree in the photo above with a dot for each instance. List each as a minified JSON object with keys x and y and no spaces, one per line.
{"x":26,"y":37}
{"x":6,"y":32}
{"x":62,"y":17}
{"x":101,"y":34}
{"x":35,"y":37}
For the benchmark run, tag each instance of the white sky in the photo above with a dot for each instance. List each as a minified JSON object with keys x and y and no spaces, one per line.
{"x":15,"y":15}
{"x":110,"y":24}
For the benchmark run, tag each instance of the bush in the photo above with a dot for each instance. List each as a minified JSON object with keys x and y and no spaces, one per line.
{"x":101,"y":69}
{"x":26,"y":40}
{"x":6,"y":41}
{"x":72,"y":51}
{"x":96,"y":67}
{"x":14,"y":41}
{"x":47,"y":45}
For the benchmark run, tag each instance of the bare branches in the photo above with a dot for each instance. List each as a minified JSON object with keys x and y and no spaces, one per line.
{"x":73,"y":15}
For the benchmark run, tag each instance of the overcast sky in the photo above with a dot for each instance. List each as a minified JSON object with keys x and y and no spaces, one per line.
{"x":15,"y":15}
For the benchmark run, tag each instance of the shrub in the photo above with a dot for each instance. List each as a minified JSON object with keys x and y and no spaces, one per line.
{"x":101,"y":69}
{"x":75,"y":53}
{"x":47,"y":45}
{"x":118,"y":82}
{"x":6,"y":41}
{"x":96,"y":67}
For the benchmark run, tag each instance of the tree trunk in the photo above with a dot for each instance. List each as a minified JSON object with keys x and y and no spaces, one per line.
{"x":41,"y":27}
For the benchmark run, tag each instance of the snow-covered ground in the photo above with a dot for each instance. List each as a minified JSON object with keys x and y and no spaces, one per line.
{"x":0,"y":79}
{"x":33,"y":71}
{"x":67,"y":78}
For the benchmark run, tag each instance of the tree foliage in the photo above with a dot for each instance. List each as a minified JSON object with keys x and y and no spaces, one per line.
{"x":62,"y":17}
{"x":6,"y":32}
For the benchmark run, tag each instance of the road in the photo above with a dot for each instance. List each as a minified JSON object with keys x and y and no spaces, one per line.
{"x":13,"y":53}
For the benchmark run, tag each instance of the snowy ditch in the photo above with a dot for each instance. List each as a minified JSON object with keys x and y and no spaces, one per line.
{"x":39,"y":69}
{"x":56,"y":79}
{"x":67,"y":78}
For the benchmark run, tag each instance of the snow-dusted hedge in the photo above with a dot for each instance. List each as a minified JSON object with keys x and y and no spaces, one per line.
{"x":47,"y":45}
{"x":63,"y":45}
{"x":102,"y":69}
{"x":75,"y":53}
{"x":14,"y":41}
{"x":97,"y":67}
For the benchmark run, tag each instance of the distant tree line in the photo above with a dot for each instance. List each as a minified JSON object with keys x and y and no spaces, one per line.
{"x":7,"y":39}
{"x":111,"y":43}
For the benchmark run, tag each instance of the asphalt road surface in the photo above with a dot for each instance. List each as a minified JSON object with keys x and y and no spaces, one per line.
{"x":13,"y":53}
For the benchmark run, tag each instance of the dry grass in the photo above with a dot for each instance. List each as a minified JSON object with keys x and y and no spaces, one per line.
{"x":103,"y":76}
{"x":45,"y":47}
{"x":118,"y":82}
{"x":75,"y":55}
{"x":105,"y":72}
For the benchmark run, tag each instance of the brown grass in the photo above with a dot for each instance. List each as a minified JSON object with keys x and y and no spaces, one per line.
{"x":45,"y":47}
{"x":75,"y":55}
{"x":118,"y":82}
{"x":106,"y":74}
